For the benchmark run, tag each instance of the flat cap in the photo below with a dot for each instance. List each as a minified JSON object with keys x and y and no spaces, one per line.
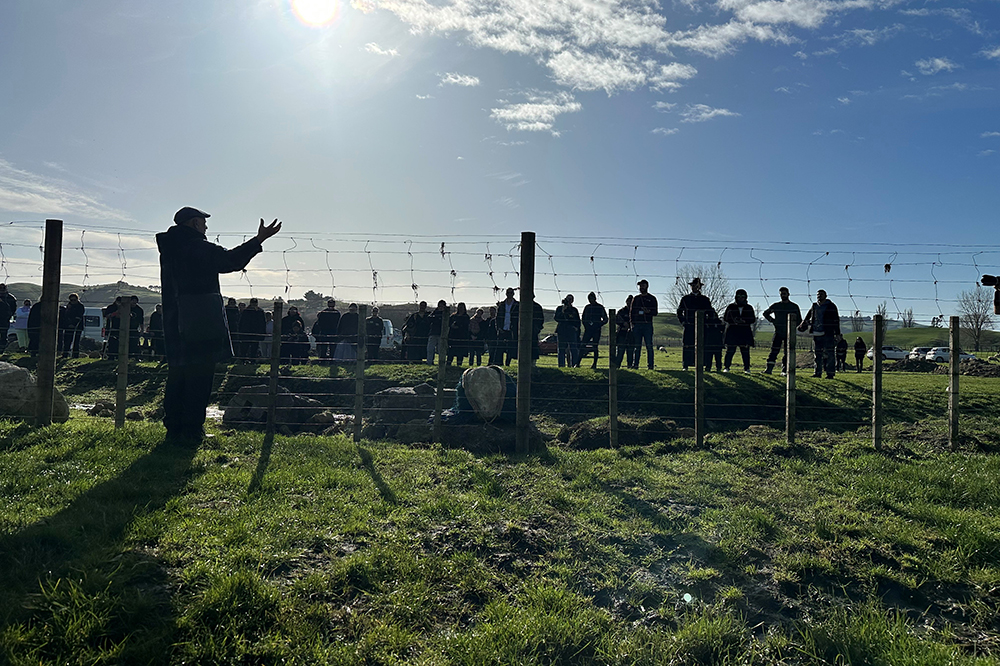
{"x":187,"y":213}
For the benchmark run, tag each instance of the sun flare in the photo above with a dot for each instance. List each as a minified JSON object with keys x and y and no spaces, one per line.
{"x":316,"y":12}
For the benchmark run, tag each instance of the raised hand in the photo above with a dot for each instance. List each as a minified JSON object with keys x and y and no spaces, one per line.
{"x":266,"y":231}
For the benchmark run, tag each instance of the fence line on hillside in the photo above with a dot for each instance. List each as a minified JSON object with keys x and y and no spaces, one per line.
{"x":702,"y":408}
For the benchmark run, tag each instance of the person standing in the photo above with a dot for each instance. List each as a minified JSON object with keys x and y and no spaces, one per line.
{"x":21,"y":324}
{"x":347,"y":335}
{"x":823,"y":324}
{"x":778,"y":314}
{"x":325,"y":330}
{"x":374,"y":330}
{"x":506,"y":327}
{"x":860,"y":349}
{"x":568,"y":332}
{"x":34,"y":328}
{"x":137,"y":318}
{"x":686,"y":309}
{"x":267,"y":343}
{"x":644,"y":308}
{"x":415,"y":331}
{"x":73,"y":328}
{"x":155,"y":331}
{"x":594,"y":318}
{"x":842,"y":354}
{"x":8,"y":307}
{"x":113,"y":327}
{"x":195,"y":329}
{"x":458,"y":334}
{"x":435,"y":321}
{"x":290,"y":319}
{"x":715,"y":339}
{"x":624,"y":343}
{"x":252,"y":327}
{"x":477,"y":325}
{"x":488,"y":333}
{"x":739,"y":317}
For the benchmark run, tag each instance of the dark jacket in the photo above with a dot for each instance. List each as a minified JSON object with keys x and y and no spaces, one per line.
{"x":860,"y":348}
{"x":689,"y":305}
{"x":189,"y":267}
{"x":739,"y":324}
{"x":253,"y":321}
{"x":567,"y":321}
{"x":502,"y":315}
{"x":5,"y":315}
{"x":11,"y":303}
{"x":644,"y":308}
{"x":74,"y":316}
{"x":374,"y":329}
{"x":347,"y":330}
{"x":829,"y":325}
{"x":327,"y":323}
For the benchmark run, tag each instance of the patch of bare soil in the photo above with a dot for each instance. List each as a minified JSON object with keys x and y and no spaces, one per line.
{"x":595,"y":433}
{"x":910,"y":365}
{"x":974,"y":368}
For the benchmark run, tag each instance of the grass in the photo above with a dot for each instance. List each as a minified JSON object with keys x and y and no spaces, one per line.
{"x":115,"y":548}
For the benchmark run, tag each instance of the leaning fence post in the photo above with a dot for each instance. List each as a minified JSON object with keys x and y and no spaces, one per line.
{"x":953,"y":367}
{"x":525,"y":337}
{"x":699,"y":377}
{"x":124,"y":328}
{"x":442,"y":371}
{"x":790,"y":379}
{"x":612,"y":383}
{"x":359,"y":374}
{"x":272,"y":387}
{"x":877,"y":381}
{"x":45,"y":371}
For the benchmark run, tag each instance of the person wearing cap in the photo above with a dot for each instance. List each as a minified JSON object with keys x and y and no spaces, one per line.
{"x":325,"y":330}
{"x":778,"y":314}
{"x":739,"y":317}
{"x":508,"y":311}
{"x":252,"y":328}
{"x":195,"y":330}
{"x":8,"y":311}
{"x":644,"y":308}
{"x":686,"y":309}
{"x":823,"y":323}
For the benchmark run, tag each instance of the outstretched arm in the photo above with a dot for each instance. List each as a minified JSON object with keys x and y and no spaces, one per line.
{"x":266,"y":231}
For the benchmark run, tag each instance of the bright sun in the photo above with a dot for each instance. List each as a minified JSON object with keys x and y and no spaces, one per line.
{"x":316,"y":12}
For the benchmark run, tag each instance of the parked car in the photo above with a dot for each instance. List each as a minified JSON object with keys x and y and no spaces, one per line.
{"x":943,"y":355}
{"x":549,"y":344}
{"x":890,"y":353}
{"x":919,"y":353}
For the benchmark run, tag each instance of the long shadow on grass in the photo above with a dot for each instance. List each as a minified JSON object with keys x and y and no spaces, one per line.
{"x":74,"y":562}
{"x":383,"y":488}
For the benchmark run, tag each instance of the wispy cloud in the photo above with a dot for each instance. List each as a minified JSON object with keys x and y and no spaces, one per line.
{"x":844,"y":100}
{"x":22,"y":191}
{"x":961,"y":16}
{"x":869,"y":37}
{"x":930,"y":66}
{"x":986,"y":135}
{"x":455,"y":79}
{"x":512,"y":178}
{"x":372,"y":47}
{"x":665,"y":131}
{"x":537,"y":114}
{"x":699,"y":113}
{"x":425,"y":96}
{"x":991,"y":52}
{"x":784,"y":89}
{"x":663,"y":107}
{"x":984,"y":153}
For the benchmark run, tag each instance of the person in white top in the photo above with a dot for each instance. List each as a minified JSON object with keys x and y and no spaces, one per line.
{"x":21,"y":324}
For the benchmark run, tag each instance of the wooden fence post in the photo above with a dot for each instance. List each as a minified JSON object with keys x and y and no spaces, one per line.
{"x":790,"y":362}
{"x":525,"y":336}
{"x":124,"y":328}
{"x":953,"y":367}
{"x":442,"y":371}
{"x":45,"y":371}
{"x":699,"y":377}
{"x":272,"y":387}
{"x":612,"y":382}
{"x":359,"y":373}
{"x":879,"y":335}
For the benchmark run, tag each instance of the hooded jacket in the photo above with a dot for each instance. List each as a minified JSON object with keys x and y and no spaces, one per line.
{"x":189,"y":277}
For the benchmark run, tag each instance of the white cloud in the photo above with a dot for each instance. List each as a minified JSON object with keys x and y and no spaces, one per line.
{"x":699,"y":113}
{"x":25,"y":192}
{"x":454,"y":79}
{"x":844,"y":100}
{"x":663,"y":107}
{"x":538,"y":114}
{"x":984,"y":153}
{"x":800,"y":55}
{"x":720,"y":40}
{"x":961,"y":16}
{"x":584,"y":71}
{"x":425,"y":96}
{"x":991,"y":52}
{"x":986,"y":135}
{"x":665,"y":131}
{"x":869,"y":37}
{"x":930,"y":66}
{"x":372,"y":47}
{"x":784,"y":89}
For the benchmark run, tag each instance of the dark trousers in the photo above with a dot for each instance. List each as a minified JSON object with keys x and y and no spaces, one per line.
{"x":744,"y":352}
{"x":371,"y":351}
{"x":643,"y":332}
{"x":713,"y":353}
{"x":779,"y":343}
{"x":3,"y":337}
{"x":590,"y":343}
{"x":826,"y":354}
{"x":624,"y":347}
{"x":859,"y":362}
{"x":505,"y":349}
{"x":112,"y":345}
{"x":185,"y":398}
{"x":70,"y":342}
{"x":687,"y":351}
{"x":325,"y":345}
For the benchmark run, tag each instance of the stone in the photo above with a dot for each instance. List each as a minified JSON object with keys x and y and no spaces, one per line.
{"x":19,"y":395}
{"x":424,"y":389}
{"x":484,"y":438}
{"x":248,"y":408}
{"x":686,"y":432}
{"x":100,"y":406}
{"x":133,"y":416}
{"x":401,"y":404}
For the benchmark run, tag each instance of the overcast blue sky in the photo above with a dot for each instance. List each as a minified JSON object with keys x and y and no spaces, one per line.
{"x":727,"y":120}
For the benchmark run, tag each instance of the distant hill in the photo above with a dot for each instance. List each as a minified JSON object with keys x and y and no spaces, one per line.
{"x":97,"y":295}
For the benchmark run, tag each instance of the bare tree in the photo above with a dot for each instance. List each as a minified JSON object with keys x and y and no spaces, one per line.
{"x":975,"y":308}
{"x":883,"y":310}
{"x":716,"y":284}
{"x":857,"y":322}
{"x":908,"y":321}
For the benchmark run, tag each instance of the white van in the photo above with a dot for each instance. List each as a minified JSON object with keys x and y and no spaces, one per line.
{"x":93,"y":324}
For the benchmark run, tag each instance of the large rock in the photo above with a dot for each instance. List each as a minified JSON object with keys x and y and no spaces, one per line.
{"x":19,"y":395}
{"x":401,"y":404}
{"x":248,"y":408}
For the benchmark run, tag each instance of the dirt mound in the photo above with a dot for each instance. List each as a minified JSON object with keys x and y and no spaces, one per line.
{"x":910,"y":365}
{"x":974,"y":368}
{"x":594,"y":434}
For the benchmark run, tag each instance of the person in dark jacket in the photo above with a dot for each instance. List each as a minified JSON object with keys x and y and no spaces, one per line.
{"x":715,"y":339}
{"x":415,"y":331}
{"x":435,"y":320}
{"x":823,"y":324}
{"x":477,"y":324}
{"x":568,"y":331}
{"x":593,"y":318}
{"x":34,"y":328}
{"x":72,"y":326}
{"x":112,"y":324}
{"x":136,"y":319}
{"x":325,"y":330}
{"x":155,"y":332}
{"x":644,"y":308}
{"x":291,"y":318}
{"x":624,"y":345}
{"x":505,"y":324}
{"x":739,"y":317}
{"x":842,"y":355}
{"x":686,"y":309}
{"x":488,"y":333}
{"x":252,"y":327}
{"x":374,"y":330}
{"x":347,"y":335}
{"x":195,"y":330}
{"x":860,"y":349}
{"x":458,"y":334}
{"x":295,"y":345}
{"x":778,"y":314}
{"x":6,"y":314}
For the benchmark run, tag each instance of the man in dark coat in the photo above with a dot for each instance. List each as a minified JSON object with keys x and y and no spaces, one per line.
{"x":778,"y":314}
{"x":155,"y":331}
{"x":739,"y":317}
{"x":253,"y":327}
{"x":34,"y":328}
{"x":112,"y":326}
{"x":624,"y":345}
{"x":72,"y":325}
{"x":374,"y":330}
{"x":506,"y":329}
{"x":136,"y":319}
{"x":415,"y":331}
{"x":194,"y":319}
{"x":325,"y":330}
{"x":860,"y":349}
{"x":8,"y":304}
{"x":644,"y":308}
{"x":594,"y":318}
{"x":686,"y":309}
{"x":823,"y":324}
